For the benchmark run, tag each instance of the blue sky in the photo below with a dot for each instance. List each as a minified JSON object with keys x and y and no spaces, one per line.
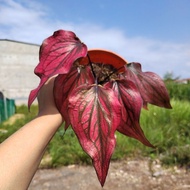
{"x":155,"y":33}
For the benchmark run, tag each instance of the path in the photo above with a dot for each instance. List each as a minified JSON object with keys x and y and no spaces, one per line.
{"x":139,"y":174}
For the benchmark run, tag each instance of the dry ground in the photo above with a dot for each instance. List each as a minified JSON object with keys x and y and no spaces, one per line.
{"x":131,"y":174}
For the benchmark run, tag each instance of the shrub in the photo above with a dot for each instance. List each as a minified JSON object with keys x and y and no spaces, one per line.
{"x":168,"y":130}
{"x":178,"y":91}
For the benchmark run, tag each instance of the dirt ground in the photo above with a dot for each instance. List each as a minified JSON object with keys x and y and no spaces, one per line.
{"x":131,"y":174}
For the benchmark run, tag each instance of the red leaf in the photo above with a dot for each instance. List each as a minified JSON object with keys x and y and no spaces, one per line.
{"x":57,"y":55}
{"x":131,"y":101}
{"x":58,"y":52}
{"x":150,"y":85}
{"x":95,"y":114}
{"x":65,"y":83}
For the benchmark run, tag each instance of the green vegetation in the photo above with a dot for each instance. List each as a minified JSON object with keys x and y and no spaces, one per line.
{"x":178,"y":91}
{"x":7,"y":127}
{"x":167,"y":129}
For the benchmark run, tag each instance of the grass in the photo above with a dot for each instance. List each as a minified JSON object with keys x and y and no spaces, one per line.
{"x":168,"y":130}
{"x":178,"y":91}
{"x":11,"y":128}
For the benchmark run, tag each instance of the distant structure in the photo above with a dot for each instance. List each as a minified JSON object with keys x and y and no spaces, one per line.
{"x":17,"y":63}
{"x":183,"y":81}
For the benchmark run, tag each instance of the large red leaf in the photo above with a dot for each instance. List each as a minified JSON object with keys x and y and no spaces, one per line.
{"x":150,"y":85}
{"x":131,"y":102}
{"x":95,"y":115}
{"x":65,"y":83}
{"x":57,"y":54}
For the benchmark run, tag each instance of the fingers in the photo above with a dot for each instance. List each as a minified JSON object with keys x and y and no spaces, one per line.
{"x":45,"y":96}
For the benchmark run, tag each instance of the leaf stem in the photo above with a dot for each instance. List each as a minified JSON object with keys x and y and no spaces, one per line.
{"x":90,"y":62}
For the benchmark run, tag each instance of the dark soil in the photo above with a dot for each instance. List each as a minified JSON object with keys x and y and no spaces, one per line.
{"x":131,"y":174}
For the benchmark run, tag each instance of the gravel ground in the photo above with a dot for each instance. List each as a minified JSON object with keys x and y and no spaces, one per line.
{"x":136,"y":174}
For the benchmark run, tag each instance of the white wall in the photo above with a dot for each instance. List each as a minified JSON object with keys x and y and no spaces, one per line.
{"x":17,"y":63}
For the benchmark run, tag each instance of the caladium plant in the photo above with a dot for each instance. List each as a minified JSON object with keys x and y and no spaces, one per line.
{"x":98,"y":93}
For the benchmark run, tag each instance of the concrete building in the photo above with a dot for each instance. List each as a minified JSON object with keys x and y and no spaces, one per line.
{"x":17,"y":63}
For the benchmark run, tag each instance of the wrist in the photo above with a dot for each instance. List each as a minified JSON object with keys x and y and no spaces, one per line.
{"x":51,"y":118}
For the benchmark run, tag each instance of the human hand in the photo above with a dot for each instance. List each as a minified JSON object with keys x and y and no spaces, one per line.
{"x":45,"y":98}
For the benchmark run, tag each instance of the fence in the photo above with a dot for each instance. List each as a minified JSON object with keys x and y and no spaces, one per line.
{"x":7,"y":108}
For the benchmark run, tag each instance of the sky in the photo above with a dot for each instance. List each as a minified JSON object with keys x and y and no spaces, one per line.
{"x":155,"y":33}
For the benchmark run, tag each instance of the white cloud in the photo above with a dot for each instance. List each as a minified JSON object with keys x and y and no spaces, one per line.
{"x":156,"y":56}
{"x":30,"y":23}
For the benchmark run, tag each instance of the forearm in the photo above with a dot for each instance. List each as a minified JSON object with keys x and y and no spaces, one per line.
{"x":21,"y":153}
